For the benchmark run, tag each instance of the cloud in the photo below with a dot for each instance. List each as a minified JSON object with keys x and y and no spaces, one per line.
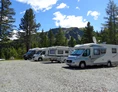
{"x":5,"y":18}
{"x":78,"y":8}
{"x":78,"y":0}
{"x":69,"y":21}
{"x":42,"y":5}
{"x":95,"y":14}
{"x":62,"y":5}
{"x":22,"y":12}
{"x":14,"y":35}
{"x":21,"y":31}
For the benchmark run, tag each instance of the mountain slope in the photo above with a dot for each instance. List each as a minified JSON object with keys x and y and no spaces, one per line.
{"x":73,"y":31}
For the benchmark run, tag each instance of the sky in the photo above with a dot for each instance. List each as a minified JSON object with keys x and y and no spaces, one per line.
{"x":64,"y":13}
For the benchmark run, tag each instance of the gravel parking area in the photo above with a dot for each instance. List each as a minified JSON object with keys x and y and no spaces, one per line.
{"x":27,"y":76}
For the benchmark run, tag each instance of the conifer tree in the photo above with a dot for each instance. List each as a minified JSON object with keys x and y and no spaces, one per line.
{"x":88,"y":34}
{"x":29,"y":25}
{"x":60,"y":37}
{"x":111,"y":21}
{"x":6,"y":18}
{"x":51,"y":38}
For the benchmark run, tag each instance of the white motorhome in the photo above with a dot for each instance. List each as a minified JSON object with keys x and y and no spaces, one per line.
{"x":41,"y":54}
{"x":30,"y":53}
{"x":93,"y":54}
{"x":59,"y":53}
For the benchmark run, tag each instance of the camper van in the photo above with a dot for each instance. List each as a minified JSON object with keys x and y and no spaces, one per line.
{"x":59,"y":53}
{"x":93,"y":54}
{"x":30,"y":53}
{"x":41,"y":54}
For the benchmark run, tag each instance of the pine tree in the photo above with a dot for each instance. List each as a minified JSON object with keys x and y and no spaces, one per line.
{"x":6,"y":18}
{"x":42,"y":34}
{"x":66,"y":42}
{"x":28,"y":24}
{"x":72,"y":42}
{"x":51,"y":38}
{"x":46,"y":41}
{"x":60,"y":37}
{"x":88,"y":34}
{"x":111,"y":21}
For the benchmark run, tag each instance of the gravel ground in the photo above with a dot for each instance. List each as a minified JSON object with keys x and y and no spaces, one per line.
{"x":27,"y":76}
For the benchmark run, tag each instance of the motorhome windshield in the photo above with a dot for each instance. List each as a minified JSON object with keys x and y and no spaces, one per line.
{"x":77,"y":52}
{"x":30,"y":51}
{"x":39,"y":52}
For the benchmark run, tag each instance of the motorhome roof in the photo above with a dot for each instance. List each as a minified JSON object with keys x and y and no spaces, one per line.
{"x":35,"y":49}
{"x":59,"y":47}
{"x":88,"y":44}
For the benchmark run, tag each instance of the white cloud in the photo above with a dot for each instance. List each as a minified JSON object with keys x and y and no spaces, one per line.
{"x":5,"y":18}
{"x":78,"y":8}
{"x":14,"y":31}
{"x":22,"y":12}
{"x":78,"y":0}
{"x":69,"y":21}
{"x":62,"y":5}
{"x":14,"y":35}
{"x":95,"y":14}
{"x":21,"y":31}
{"x":42,"y":5}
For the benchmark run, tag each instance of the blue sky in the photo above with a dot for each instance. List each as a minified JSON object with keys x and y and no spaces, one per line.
{"x":64,"y":13}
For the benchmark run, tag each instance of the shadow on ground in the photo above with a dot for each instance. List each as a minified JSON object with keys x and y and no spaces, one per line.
{"x":49,"y":62}
{"x":87,"y":68}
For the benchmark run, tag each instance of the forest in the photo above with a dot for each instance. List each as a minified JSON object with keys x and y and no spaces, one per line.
{"x":31,"y":38}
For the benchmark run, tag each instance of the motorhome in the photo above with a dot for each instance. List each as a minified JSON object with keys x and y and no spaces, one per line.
{"x":41,"y":54}
{"x":59,"y":53}
{"x":30,"y":53}
{"x":93,"y":54}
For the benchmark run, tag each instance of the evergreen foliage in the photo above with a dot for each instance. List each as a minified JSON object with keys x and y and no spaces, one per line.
{"x":6,"y":18}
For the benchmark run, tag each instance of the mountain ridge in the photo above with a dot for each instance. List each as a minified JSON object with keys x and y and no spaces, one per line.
{"x":75,"y":32}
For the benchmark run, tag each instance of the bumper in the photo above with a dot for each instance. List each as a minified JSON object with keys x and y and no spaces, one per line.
{"x":35,"y":58}
{"x":71,"y":63}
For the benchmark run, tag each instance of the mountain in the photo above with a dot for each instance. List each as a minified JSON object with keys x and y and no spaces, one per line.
{"x":73,"y":31}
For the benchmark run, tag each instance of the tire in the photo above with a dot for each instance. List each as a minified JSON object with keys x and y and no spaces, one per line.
{"x":59,"y":61}
{"x":40,"y":59}
{"x":25,"y":58}
{"x":109,"y":64}
{"x":82,"y":65}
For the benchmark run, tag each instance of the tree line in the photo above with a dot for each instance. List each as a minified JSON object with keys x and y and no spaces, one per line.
{"x":30,"y":38}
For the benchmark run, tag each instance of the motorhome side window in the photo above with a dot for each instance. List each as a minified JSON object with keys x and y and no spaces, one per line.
{"x":53,"y":51}
{"x":33,"y":52}
{"x":103,"y":50}
{"x":66,"y":52}
{"x":60,"y":51}
{"x":43,"y":53}
{"x":86,"y":52}
{"x":96,"y":51}
{"x":114,"y":50}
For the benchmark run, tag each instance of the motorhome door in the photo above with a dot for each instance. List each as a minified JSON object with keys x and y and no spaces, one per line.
{"x":87,"y":56}
{"x":96,"y":53}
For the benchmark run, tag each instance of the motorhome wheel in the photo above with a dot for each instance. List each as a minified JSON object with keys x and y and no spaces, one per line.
{"x":40,"y":59}
{"x":82,"y":65}
{"x":109,"y":64}
{"x":25,"y":58}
